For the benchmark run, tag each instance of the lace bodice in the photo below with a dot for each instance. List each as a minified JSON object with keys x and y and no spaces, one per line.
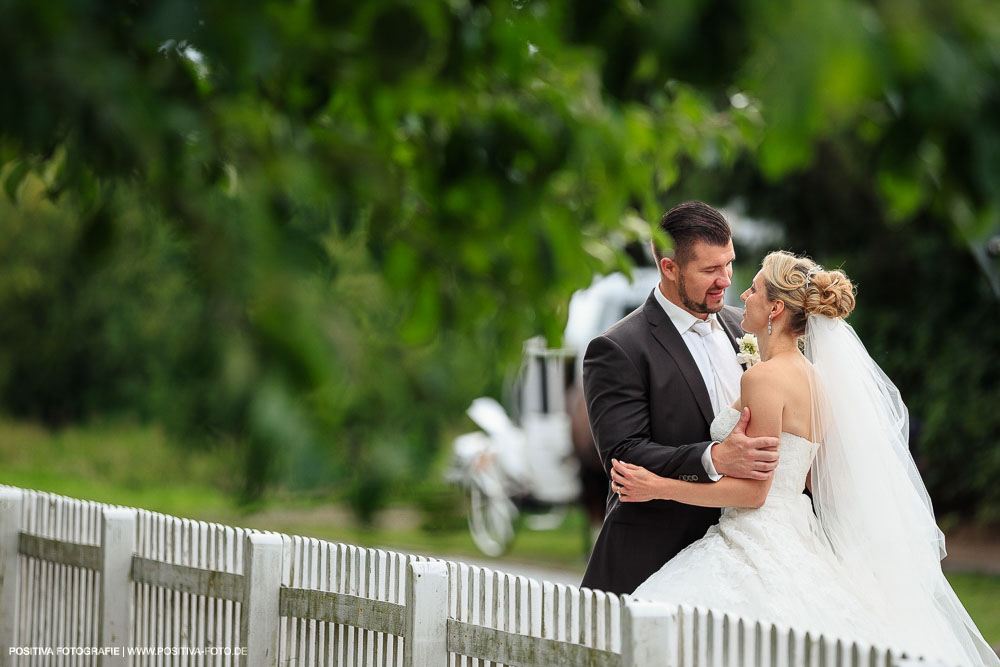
{"x":795,"y":456}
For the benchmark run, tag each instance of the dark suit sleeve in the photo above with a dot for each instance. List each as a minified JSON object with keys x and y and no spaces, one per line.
{"x":618,"y":406}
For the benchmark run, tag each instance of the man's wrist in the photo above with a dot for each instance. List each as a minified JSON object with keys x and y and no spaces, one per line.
{"x":708,"y":462}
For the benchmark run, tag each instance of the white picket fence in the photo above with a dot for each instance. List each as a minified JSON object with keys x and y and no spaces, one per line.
{"x":82,"y":584}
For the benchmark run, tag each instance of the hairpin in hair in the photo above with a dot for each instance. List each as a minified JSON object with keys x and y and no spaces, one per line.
{"x":812,"y":272}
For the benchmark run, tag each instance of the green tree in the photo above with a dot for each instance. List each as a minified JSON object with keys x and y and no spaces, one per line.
{"x":365,"y":210}
{"x":351,"y":214}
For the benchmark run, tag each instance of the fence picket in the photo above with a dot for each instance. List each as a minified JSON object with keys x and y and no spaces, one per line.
{"x":58,"y":588}
{"x":779,"y":643}
{"x":338,"y":586}
{"x":367,"y":637}
{"x":11,"y":504}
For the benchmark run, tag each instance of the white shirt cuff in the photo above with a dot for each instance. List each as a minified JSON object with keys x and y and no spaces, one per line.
{"x":706,"y":462}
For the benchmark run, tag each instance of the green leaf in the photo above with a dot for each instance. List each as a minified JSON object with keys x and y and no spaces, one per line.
{"x":15,"y":174}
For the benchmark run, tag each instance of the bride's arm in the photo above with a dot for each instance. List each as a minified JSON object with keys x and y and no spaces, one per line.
{"x":640,"y":485}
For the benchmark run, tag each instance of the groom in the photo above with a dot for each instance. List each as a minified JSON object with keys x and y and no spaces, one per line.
{"x":653,"y":383}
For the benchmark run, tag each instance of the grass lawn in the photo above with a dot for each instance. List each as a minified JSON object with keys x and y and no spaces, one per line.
{"x":121,"y":464}
{"x":136,"y":466}
{"x":980,"y":593}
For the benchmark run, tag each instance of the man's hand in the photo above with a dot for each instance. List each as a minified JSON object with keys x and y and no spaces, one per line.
{"x":741,"y":456}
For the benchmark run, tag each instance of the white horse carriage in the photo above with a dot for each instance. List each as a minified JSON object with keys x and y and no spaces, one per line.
{"x":535,"y":460}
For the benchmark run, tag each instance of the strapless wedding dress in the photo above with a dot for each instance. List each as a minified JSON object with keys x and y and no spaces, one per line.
{"x":771,"y":564}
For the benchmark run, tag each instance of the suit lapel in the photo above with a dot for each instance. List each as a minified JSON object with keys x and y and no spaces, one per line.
{"x":727,"y":318}
{"x":666,"y":334}
{"x":730,"y":326}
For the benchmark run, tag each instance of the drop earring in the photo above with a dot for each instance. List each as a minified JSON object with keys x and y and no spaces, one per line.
{"x":769,"y":316}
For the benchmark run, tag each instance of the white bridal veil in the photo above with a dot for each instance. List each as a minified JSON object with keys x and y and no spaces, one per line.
{"x":872,"y":503}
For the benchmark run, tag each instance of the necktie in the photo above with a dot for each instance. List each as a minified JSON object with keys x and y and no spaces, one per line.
{"x":703,"y":328}
{"x":718,"y":387}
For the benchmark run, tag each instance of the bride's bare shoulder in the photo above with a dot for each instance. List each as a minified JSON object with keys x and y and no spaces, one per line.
{"x":760,"y":376}
{"x":782,"y":375}
{"x":764,"y":369}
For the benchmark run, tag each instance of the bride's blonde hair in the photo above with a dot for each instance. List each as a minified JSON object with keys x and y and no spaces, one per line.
{"x":806,"y":288}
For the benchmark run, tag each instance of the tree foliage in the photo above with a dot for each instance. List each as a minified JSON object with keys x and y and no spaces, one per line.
{"x":320,"y":228}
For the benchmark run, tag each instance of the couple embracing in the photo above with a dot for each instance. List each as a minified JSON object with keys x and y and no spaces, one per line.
{"x":686,"y":431}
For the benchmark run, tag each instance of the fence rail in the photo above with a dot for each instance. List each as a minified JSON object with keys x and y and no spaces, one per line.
{"x":84,"y":584}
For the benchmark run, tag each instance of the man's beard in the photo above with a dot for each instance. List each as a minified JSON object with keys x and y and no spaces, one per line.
{"x":691,"y":304}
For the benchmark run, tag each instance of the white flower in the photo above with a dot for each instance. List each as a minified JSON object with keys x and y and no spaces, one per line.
{"x":749,"y":353}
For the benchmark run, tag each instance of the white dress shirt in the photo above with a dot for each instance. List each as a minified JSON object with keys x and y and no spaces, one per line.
{"x":715,"y":357}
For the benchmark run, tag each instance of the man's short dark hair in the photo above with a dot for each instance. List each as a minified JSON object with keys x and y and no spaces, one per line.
{"x":688,"y":223}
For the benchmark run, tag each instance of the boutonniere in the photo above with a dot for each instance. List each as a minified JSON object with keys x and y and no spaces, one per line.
{"x":749,"y":353}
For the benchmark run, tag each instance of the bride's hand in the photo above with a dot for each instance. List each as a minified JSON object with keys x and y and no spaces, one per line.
{"x":635,"y":484}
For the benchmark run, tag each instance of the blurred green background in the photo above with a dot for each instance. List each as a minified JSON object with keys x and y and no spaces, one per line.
{"x":268,"y":252}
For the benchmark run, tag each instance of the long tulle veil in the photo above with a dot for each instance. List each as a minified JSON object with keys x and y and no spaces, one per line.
{"x":872,"y":504}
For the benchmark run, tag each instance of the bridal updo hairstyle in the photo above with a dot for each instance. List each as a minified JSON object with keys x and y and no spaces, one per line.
{"x":830,"y":293}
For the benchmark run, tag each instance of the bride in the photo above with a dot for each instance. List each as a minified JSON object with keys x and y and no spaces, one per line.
{"x":862,"y":561}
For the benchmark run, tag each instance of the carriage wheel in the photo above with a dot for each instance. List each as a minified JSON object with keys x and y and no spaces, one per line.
{"x":491,"y":520}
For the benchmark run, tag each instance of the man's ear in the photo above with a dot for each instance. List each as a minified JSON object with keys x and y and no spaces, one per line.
{"x":669,"y":268}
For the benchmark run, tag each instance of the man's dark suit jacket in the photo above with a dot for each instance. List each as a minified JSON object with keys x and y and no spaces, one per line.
{"x":648,"y":405}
